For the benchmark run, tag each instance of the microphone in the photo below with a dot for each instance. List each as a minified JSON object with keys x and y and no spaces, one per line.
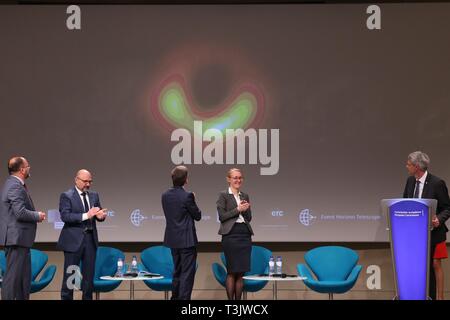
{"x":281,"y":275}
{"x":241,"y":198}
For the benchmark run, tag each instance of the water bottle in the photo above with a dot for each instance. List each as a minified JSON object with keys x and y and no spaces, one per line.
{"x":279,"y":265}
{"x":119,"y":272}
{"x":134,"y":265}
{"x":271,"y":266}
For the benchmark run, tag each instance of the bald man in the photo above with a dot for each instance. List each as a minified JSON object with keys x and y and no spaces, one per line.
{"x":18,"y":219}
{"x":80,"y":209}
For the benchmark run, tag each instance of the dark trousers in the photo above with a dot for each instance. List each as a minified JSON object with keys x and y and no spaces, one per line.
{"x":184,"y":260}
{"x":432,"y":277}
{"x":16,"y":283}
{"x":86,"y":254}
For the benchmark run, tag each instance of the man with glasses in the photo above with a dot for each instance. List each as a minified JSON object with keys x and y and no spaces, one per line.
{"x":18,"y":219}
{"x":422,"y":184}
{"x":80,"y":209}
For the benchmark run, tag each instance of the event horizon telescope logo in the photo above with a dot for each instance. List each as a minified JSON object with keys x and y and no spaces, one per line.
{"x":306,"y":218}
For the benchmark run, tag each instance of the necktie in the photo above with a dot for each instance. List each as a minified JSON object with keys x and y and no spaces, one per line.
{"x":86,"y":205}
{"x":416,"y":190}
{"x":86,"y":209}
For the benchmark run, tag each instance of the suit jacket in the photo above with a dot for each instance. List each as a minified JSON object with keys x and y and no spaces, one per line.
{"x":71,"y":209}
{"x":228,"y":213}
{"x":434,"y":188}
{"x":180,"y":211}
{"x":18,"y":218}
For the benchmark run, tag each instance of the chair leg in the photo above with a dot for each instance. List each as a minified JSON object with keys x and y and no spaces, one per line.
{"x":244,"y":295}
{"x":97,"y":295}
{"x":330,"y":296}
{"x":166,"y":295}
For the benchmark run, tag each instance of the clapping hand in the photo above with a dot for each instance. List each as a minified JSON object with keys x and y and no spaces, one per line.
{"x":101,"y":214}
{"x":435,"y":222}
{"x":243,"y":206}
{"x":93,"y":212}
{"x":41,"y":216}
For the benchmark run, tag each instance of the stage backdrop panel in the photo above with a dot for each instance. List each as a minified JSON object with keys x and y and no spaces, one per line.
{"x":330,"y":108}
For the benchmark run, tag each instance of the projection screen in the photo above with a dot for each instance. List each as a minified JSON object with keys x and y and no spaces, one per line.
{"x":318,"y":110}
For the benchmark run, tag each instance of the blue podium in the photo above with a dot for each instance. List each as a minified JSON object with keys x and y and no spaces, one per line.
{"x":409,"y":223}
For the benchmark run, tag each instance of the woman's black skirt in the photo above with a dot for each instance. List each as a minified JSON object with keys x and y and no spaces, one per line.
{"x":237,"y":246}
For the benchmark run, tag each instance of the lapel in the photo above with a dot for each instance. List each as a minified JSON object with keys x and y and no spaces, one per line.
{"x":91,"y":199}
{"x":411,"y":186}
{"x":77,"y":200}
{"x":29,"y":198}
{"x":30,"y":201}
{"x":232,"y":200}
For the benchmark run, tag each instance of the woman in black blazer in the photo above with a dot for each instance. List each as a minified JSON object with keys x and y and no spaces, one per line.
{"x":235,"y":215}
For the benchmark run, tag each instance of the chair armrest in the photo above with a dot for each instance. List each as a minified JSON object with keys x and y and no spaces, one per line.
{"x":219,"y":273}
{"x":303,"y":271}
{"x":354,"y":274}
{"x":48,"y":274}
{"x":45,"y":279}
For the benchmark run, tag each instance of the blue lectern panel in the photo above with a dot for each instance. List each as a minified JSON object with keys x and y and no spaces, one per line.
{"x":409,"y":227}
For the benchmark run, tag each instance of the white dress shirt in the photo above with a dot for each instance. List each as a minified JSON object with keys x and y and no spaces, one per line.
{"x":240,"y":219}
{"x":422,"y":184}
{"x":85,"y":215}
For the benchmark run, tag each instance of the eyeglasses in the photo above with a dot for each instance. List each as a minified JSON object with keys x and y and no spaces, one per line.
{"x":237,"y":178}
{"x":85,"y":181}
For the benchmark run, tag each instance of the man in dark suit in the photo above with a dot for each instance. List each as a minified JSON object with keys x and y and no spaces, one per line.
{"x":422,"y":184}
{"x":79,"y":209}
{"x":18,"y":219}
{"x":180,"y":236}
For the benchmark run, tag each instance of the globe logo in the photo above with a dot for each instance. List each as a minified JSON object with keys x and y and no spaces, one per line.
{"x":306,"y":218}
{"x":136,"y":218}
